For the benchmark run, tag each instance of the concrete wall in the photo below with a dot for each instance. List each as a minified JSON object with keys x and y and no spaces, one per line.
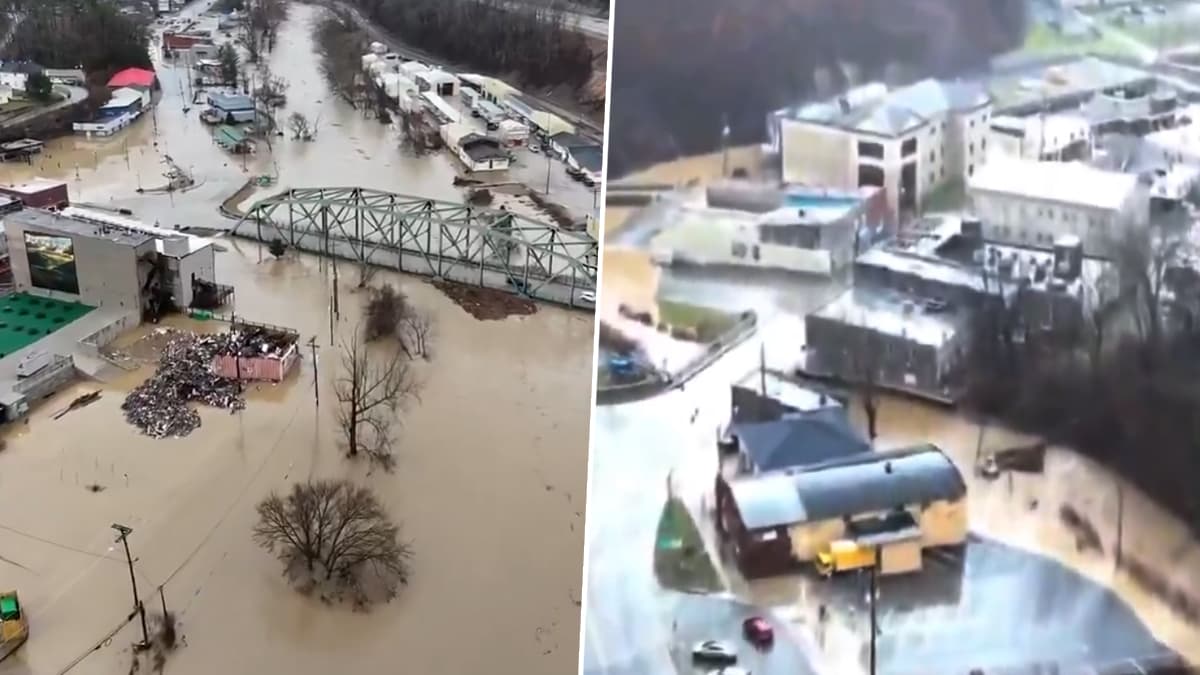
{"x":47,"y":380}
{"x":91,"y":344}
{"x":817,"y":155}
{"x":201,"y":263}
{"x":847,"y":351}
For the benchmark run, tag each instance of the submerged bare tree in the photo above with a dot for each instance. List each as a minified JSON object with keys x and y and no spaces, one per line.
{"x":299,"y":126}
{"x":370,"y":392}
{"x":386,"y":308}
{"x":417,"y":330}
{"x":334,"y":532}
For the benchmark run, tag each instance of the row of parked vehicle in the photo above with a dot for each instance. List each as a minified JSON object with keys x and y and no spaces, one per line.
{"x":577,"y":174}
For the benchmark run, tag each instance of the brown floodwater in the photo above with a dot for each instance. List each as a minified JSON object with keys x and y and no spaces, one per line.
{"x":489,"y":484}
{"x":489,"y":487}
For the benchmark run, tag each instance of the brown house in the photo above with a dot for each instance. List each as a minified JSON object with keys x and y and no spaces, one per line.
{"x":775,"y":520}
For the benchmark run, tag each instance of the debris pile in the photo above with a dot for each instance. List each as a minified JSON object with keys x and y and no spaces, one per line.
{"x":485,"y":303}
{"x":159,"y":406}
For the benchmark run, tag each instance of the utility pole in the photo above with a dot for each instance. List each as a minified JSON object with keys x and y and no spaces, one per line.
{"x":547,"y":151}
{"x":123,"y":537}
{"x":237,"y":355}
{"x":725,"y":131}
{"x":316,"y":378}
{"x":762,"y":368}
{"x":1120,"y":522}
{"x":874,"y":596}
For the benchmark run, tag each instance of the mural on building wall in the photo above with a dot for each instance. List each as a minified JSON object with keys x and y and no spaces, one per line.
{"x":52,"y":262}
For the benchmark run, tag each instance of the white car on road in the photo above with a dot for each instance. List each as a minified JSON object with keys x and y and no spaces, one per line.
{"x":714,"y":651}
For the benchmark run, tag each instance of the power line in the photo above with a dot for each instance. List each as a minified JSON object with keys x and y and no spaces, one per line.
{"x":65,"y":547}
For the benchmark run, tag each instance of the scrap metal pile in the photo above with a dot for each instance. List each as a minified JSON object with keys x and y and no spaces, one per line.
{"x":250,"y":340}
{"x":160,"y":405}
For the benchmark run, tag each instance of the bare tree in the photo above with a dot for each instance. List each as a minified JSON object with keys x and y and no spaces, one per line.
{"x":333,"y":531}
{"x":386,"y":308}
{"x":1143,"y":257}
{"x":370,"y":393}
{"x":417,"y":330}
{"x":300,"y":128}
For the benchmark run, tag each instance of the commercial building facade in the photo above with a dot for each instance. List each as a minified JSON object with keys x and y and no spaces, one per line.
{"x":105,"y":261}
{"x":1033,"y":204}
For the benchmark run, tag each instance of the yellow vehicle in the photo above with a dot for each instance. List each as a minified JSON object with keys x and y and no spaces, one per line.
{"x":14,"y":629}
{"x":844,"y":555}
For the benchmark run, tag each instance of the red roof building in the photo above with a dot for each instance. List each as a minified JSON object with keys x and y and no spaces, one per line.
{"x":133,"y":77}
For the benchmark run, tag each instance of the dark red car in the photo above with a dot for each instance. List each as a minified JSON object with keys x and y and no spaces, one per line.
{"x":758,"y":632}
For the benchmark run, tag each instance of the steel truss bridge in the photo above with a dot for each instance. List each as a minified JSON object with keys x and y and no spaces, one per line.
{"x":478,"y":246}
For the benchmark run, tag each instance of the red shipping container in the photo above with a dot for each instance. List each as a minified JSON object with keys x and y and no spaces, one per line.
{"x":39,"y":193}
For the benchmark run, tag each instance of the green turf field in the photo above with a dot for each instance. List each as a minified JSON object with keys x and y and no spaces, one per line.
{"x":25,"y":318}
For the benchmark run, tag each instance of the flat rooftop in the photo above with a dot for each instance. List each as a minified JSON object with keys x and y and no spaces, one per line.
{"x":875,"y":109}
{"x":1031,"y":85}
{"x":1072,"y":183}
{"x":787,"y":392}
{"x":33,"y":186}
{"x":195,"y":243}
{"x":25,"y":319}
{"x":895,"y":314}
{"x":69,"y":224}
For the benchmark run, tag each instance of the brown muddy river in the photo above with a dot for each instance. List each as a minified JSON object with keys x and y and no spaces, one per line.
{"x":489,"y":484}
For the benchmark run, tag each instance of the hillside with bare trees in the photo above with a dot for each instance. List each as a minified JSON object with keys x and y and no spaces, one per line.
{"x":753,"y":56}
{"x":91,"y":34}
{"x":530,"y":43}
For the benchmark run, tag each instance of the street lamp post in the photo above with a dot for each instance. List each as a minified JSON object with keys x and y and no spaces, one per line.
{"x":123,"y":537}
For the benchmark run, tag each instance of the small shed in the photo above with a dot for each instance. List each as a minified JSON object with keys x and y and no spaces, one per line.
{"x":232,"y":139}
{"x":482,"y":153}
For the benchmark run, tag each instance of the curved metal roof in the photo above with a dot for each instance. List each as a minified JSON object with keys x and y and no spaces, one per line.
{"x":865,"y":483}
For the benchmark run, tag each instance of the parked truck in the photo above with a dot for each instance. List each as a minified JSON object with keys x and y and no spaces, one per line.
{"x":897,"y":557}
{"x":14,"y":629}
{"x":843,"y":556}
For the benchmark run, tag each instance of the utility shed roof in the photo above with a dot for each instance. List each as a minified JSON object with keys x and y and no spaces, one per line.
{"x":590,"y":157}
{"x":800,"y":439}
{"x":132,"y":77}
{"x":228,"y":137}
{"x":863,"y":483}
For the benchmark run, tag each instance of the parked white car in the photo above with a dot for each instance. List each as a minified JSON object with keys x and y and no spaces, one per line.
{"x":588,"y":297}
{"x":714,"y":651}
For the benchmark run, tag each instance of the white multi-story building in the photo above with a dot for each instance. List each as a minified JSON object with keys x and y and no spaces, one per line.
{"x":909,"y":141}
{"x":1054,"y":137}
{"x":1033,"y":204}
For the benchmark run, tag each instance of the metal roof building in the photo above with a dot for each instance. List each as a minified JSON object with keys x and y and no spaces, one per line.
{"x":860,"y":484}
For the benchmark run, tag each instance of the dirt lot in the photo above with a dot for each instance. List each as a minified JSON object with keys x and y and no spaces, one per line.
{"x":485,"y":304}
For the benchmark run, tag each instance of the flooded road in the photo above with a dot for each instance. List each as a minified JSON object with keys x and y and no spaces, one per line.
{"x":489,"y":485}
